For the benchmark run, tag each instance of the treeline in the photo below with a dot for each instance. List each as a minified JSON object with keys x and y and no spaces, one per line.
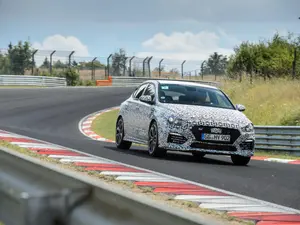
{"x":276,"y":57}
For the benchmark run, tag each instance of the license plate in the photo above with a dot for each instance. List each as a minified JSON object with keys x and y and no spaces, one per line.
{"x":215,"y":137}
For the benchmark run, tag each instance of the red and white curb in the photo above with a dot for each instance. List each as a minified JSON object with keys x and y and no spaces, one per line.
{"x":263,"y":213}
{"x":86,"y":123}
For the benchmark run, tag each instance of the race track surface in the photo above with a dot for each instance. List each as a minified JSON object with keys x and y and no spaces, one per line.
{"x":53,"y":115}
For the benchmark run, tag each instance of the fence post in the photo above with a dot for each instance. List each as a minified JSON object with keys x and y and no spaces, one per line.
{"x":159,"y":67}
{"x":130,"y":64}
{"x":33,"y":62}
{"x":149,"y":65}
{"x":202,"y":68}
{"x":182,"y":68}
{"x":108,"y":70}
{"x":52,"y":53}
{"x":294,"y":63}
{"x":70,"y":58}
{"x":144,"y":66}
{"x":93,"y":69}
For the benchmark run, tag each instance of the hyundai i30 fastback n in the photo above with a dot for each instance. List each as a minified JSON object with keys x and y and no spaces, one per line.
{"x":185,"y":116}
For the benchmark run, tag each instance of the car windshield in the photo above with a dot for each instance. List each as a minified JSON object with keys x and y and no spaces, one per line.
{"x":193,"y":95}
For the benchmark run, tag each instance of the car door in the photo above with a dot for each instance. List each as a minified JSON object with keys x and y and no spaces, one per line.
{"x":132,"y":112}
{"x":145,"y":112}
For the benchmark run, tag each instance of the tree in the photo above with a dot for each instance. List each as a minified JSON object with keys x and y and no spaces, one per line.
{"x":46,"y":63}
{"x":217,"y":63}
{"x":59,"y":65}
{"x":20,"y":57}
{"x":4,"y":64}
{"x":119,"y":62}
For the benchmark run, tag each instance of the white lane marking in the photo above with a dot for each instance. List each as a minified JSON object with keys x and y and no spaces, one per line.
{"x":84,"y":160}
{"x":35,"y":145}
{"x":198,"y":197}
{"x":228,"y":200}
{"x":131,"y":174}
{"x":279,"y":160}
{"x":66,"y":157}
{"x":242,"y":208}
{"x":10,"y":135}
{"x":144,"y":178}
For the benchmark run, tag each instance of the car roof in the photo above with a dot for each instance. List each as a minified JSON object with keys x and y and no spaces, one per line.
{"x":182,"y":82}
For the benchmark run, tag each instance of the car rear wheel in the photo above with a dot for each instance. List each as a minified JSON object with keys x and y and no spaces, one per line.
{"x":120,"y":142}
{"x":153,"y":148}
{"x":240,"y":160}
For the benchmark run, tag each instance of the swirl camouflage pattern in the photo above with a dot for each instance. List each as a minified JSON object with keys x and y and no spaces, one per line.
{"x":184,"y":116}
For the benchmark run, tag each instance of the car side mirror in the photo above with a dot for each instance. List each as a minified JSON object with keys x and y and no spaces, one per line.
{"x":146,"y":99}
{"x":240,"y":107}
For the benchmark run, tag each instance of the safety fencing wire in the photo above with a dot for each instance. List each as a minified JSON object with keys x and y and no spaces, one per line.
{"x":90,"y":68}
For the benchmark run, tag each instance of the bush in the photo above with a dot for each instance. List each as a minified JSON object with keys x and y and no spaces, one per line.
{"x":89,"y":83}
{"x":72,"y":77}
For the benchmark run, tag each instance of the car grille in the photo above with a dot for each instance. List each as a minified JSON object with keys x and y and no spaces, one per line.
{"x":247,"y":145}
{"x":198,"y":130}
{"x":214,"y":147}
{"x":176,"y":139}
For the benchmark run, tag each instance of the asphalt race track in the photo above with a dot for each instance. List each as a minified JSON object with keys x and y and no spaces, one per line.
{"x":53,"y":115}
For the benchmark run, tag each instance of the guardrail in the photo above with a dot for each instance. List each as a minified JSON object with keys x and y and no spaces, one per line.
{"x":135,"y":81}
{"x":278,"y":138}
{"x":35,"y":193}
{"x":22,"y":80}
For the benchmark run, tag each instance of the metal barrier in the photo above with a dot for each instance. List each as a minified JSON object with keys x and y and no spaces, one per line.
{"x":135,"y":81}
{"x":35,"y":193}
{"x":22,"y":80}
{"x":278,"y":138}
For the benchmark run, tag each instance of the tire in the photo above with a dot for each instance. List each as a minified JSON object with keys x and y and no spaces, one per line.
{"x":198,"y":155}
{"x":240,"y":160}
{"x":153,"y":148}
{"x":120,"y":143}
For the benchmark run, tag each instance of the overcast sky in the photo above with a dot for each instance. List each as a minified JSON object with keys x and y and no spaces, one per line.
{"x":178,"y":29}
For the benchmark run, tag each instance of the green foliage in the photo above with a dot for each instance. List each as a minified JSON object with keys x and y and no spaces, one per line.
{"x":4,"y":64}
{"x":119,"y":63}
{"x":59,"y":65}
{"x":216,"y":63}
{"x":72,"y":77}
{"x":271,"y":58}
{"x":46,"y":64}
{"x":20,"y":57}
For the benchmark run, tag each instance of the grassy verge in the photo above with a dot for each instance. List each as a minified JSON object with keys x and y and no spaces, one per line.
{"x":127,"y":185}
{"x":104,"y":125}
{"x":274,"y":102}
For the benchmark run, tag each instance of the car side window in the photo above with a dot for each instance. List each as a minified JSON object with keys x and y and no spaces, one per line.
{"x":150,"y":90}
{"x":139,"y":91}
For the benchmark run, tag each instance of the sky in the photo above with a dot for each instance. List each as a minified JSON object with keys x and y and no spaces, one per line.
{"x":171,"y":29}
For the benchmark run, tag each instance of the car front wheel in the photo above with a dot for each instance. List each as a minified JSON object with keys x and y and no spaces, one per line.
{"x":240,"y":160}
{"x":153,"y":148}
{"x":120,"y":142}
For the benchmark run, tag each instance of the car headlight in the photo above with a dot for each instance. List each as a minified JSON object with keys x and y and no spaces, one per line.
{"x":175,"y":121}
{"x":248,"y":128}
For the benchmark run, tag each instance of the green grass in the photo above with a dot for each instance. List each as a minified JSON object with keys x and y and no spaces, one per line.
{"x":274,"y":102}
{"x":104,"y":125}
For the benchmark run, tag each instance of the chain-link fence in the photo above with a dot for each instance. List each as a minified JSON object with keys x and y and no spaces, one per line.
{"x":55,"y":63}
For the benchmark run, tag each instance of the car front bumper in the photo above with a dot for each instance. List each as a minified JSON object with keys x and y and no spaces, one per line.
{"x":187,"y":140}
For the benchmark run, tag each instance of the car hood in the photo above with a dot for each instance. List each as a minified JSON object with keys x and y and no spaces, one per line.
{"x":205,"y":114}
